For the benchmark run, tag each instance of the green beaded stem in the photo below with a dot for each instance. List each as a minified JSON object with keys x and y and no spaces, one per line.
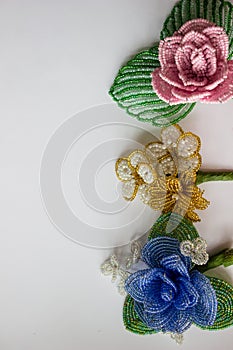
{"x":131,"y":320}
{"x":207,"y":176}
{"x":219,"y":12}
{"x":132,"y":88}
{"x":173,"y":225}
{"x":224,"y":294}
{"x":223,"y":258}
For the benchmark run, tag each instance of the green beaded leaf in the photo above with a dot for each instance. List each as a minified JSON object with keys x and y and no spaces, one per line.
{"x":131,"y":320}
{"x":175,"y":226}
{"x":132,"y":90}
{"x":216,"y":11}
{"x":224,"y":294}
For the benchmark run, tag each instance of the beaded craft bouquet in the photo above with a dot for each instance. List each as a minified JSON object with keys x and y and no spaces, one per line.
{"x":166,"y":282}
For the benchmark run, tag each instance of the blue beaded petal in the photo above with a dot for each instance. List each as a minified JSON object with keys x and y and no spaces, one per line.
{"x":147,"y":283}
{"x":136,"y":284}
{"x":158,"y":248}
{"x":175,"y":265}
{"x":156,"y":321}
{"x":205,"y":312}
{"x":187,"y":295}
{"x":179,"y":322}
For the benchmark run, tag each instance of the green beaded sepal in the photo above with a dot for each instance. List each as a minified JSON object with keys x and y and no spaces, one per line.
{"x":175,"y":226}
{"x":224,"y":294}
{"x":132,"y":88}
{"x":131,"y":320}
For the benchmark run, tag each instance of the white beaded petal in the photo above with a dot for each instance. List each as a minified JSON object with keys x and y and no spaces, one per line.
{"x":128,"y":189}
{"x":168,"y":166}
{"x":187,"y":146}
{"x":200,"y":258}
{"x":178,"y":337}
{"x":189,"y":164}
{"x":123,"y":170}
{"x":200,"y":244}
{"x":156,"y":150}
{"x":186,"y":248}
{"x":170,"y":135}
{"x":110,"y":267}
{"x":146,"y":173}
{"x":137,"y":157}
{"x":135,"y":254}
{"x":144,"y":193}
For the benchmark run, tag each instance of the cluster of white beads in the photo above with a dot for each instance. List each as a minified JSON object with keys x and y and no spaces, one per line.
{"x":196,"y":250}
{"x":112,"y":267}
{"x":178,"y":337}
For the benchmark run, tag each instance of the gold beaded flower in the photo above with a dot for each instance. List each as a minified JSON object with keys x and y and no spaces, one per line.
{"x":163,"y":174}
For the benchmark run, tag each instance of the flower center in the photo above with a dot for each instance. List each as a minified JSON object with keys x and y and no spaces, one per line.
{"x":199,"y":63}
{"x":167,"y":292}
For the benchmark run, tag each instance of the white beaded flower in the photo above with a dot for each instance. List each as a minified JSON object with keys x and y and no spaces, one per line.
{"x":196,"y":250}
{"x":119,"y":273}
{"x":163,"y":174}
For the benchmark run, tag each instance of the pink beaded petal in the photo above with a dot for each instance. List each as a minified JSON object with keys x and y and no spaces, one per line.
{"x":210,"y":59}
{"x":163,"y":89}
{"x":219,"y":41}
{"x":195,"y":38}
{"x":183,"y":58}
{"x":224,"y":91}
{"x":184,"y":96}
{"x":192,"y":66}
{"x":167,"y":50}
{"x":171,"y":76}
{"x":220,"y":75}
{"x":193,"y":81}
{"x":195,"y":24}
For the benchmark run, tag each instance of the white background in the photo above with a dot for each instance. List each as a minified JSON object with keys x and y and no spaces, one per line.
{"x":56,"y":59}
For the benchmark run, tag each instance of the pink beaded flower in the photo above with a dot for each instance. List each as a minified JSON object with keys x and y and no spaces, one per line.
{"x":194,"y":65}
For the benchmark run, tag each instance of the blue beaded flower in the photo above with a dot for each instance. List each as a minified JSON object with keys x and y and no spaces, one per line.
{"x":168,"y":295}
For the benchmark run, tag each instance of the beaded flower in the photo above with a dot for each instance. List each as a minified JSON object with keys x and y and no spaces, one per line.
{"x":194,"y":65}
{"x":192,"y":62}
{"x":169,"y":296}
{"x":167,"y":289}
{"x":163,"y":174}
